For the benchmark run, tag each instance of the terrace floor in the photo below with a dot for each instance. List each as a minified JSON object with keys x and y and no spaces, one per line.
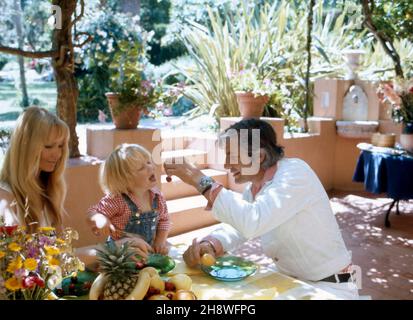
{"x":385,"y":255}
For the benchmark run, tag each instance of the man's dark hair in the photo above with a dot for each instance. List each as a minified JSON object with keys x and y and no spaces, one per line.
{"x":268,"y":139}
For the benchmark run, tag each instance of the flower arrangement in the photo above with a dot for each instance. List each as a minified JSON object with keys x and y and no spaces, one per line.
{"x":33,"y":265}
{"x":400,"y":95}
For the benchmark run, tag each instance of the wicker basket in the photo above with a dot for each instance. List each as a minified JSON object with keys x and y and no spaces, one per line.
{"x":383,"y":139}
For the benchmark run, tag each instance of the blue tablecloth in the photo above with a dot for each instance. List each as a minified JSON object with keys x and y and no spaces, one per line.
{"x":382,"y":172}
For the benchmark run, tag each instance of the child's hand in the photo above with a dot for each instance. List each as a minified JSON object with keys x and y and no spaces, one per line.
{"x":160,"y":247}
{"x":140,"y":246}
{"x":100,"y":224}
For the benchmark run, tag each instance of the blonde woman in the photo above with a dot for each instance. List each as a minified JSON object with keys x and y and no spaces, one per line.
{"x":32,"y":187}
{"x":133,"y":207}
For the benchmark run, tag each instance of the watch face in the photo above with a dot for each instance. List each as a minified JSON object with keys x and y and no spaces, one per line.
{"x":204,"y":183}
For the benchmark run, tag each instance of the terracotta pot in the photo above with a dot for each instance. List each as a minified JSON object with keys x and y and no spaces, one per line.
{"x":126,"y":119}
{"x":249,"y":105}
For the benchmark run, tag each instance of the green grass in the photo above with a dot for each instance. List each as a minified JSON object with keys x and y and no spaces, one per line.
{"x":10,"y":97}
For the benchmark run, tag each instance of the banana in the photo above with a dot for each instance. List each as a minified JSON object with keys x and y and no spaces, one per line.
{"x":150,"y":270}
{"x":97,"y":287}
{"x":141,"y":288}
{"x":138,"y":293}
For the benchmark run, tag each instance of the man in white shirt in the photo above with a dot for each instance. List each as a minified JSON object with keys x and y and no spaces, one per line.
{"x":284,"y":204}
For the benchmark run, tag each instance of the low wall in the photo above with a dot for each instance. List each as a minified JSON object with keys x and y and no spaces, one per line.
{"x":333,"y":158}
{"x":83,"y":191}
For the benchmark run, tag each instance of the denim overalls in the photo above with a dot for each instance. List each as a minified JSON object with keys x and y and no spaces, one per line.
{"x":142,"y":223}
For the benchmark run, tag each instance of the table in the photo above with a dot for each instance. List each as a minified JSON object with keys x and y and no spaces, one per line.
{"x":266,"y":284}
{"x":381,"y":171}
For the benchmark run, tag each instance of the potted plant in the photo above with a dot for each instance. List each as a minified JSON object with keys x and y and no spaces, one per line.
{"x":253,"y":91}
{"x":400,"y":95}
{"x":132,"y":93}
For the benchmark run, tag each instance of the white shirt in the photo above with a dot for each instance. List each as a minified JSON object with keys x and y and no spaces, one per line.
{"x":293,"y":217}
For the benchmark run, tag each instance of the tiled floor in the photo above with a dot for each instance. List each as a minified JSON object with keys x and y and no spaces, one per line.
{"x":385,"y":255}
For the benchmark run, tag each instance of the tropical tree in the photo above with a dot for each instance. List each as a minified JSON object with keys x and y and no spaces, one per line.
{"x":62,"y":55}
{"x":272,"y":40}
{"x":17,"y":19}
{"x":385,"y":38}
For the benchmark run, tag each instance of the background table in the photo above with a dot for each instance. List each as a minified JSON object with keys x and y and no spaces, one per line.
{"x":381,"y":172}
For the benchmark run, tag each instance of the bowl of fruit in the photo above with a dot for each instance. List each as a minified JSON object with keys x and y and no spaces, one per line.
{"x":121,"y":278}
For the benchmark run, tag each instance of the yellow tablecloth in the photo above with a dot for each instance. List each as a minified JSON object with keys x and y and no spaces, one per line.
{"x":265,"y":284}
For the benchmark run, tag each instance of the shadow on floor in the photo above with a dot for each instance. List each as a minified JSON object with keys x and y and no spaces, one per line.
{"x":385,"y":255}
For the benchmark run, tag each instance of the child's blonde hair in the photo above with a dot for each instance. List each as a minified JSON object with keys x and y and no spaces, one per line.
{"x":21,"y":168}
{"x":122,"y":165}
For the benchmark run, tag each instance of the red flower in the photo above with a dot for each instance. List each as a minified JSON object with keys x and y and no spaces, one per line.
{"x":8,"y":229}
{"x":40,"y":282}
{"x":411,"y":90}
{"x":29,"y":282}
{"x":33,"y":280}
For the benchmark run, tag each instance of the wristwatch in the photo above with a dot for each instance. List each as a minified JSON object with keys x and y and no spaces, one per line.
{"x":205,"y":184}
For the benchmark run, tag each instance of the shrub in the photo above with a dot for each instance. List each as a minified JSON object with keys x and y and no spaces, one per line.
{"x":92,"y":71}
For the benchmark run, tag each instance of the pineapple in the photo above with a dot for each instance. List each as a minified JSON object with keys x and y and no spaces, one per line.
{"x":117,"y":265}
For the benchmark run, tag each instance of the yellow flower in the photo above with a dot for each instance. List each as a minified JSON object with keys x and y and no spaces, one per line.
{"x":60,"y":241}
{"x":53,"y":262}
{"x":14,"y":247}
{"x":2,"y":254}
{"x":30,"y":264}
{"x":12,"y":284}
{"x":46,"y":229}
{"x":14,"y":265}
{"x":52,"y":251}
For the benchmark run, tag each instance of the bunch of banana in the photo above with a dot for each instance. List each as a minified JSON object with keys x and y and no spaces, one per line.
{"x":150,"y":286}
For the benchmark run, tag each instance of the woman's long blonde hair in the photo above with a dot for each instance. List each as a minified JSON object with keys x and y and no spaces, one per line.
{"x":36,"y":193}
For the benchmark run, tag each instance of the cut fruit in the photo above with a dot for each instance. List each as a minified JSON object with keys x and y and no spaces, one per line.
{"x":208,"y":260}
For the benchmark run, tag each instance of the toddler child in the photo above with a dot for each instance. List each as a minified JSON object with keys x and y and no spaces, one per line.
{"x":132,"y":204}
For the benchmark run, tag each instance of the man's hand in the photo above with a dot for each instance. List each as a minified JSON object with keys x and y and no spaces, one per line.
{"x":184,"y":170}
{"x":192,"y":256}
